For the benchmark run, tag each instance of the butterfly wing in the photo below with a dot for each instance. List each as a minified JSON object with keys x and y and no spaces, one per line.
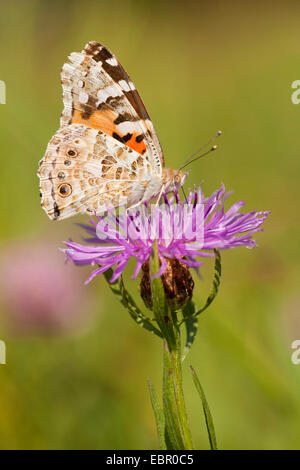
{"x":106,"y":152}
{"x":98,"y":93}
{"x":86,"y":170}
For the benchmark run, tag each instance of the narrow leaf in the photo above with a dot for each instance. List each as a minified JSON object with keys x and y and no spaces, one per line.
{"x":118,"y":288}
{"x":159,"y":416}
{"x":207,"y":413}
{"x":215,"y":286}
{"x":191,"y":325}
{"x":216,"y":282}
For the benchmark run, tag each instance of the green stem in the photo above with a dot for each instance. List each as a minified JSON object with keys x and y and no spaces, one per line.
{"x":181,"y":414}
{"x":177,"y":433}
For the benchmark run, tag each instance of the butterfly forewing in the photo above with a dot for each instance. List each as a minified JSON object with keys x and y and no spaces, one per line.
{"x":98,"y":93}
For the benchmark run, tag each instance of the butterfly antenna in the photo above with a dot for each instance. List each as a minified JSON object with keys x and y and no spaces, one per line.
{"x":199,"y":156}
{"x":191,"y":159}
{"x":184,"y":194}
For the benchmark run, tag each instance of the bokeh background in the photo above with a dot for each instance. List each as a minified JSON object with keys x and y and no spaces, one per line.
{"x":77,"y":365}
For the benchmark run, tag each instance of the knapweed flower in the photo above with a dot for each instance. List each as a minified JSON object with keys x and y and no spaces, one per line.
{"x":184,"y":230}
{"x":39,"y":295}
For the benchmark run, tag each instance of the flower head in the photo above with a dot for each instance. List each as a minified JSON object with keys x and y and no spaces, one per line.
{"x":184,"y":230}
{"x":39,"y":294}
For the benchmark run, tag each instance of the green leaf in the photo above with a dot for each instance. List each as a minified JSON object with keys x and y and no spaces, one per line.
{"x":216,"y":282}
{"x":191,"y":325}
{"x":159,"y":416}
{"x":215,"y":287}
{"x":118,"y":288}
{"x":207,"y":413}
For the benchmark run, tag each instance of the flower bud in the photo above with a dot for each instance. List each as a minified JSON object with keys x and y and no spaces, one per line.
{"x":177,"y":282}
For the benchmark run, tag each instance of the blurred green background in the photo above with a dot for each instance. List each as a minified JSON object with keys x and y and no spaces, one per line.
{"x":199,"y":68}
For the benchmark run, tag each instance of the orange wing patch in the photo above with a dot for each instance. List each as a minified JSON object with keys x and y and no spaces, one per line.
{"x":135,"y":141}
{"x":104,"y":121}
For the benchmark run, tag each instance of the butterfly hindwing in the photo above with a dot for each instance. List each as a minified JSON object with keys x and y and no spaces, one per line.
{"x":86,"y":170}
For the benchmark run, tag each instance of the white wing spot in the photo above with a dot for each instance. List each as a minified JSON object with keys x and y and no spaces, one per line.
{"x":124,"y":85}
{"x":111,"y":90}
{"x":108,"y":92}
{"x":83,"y":97}
{"x":112,"y":61}
{"x":129,"y":126}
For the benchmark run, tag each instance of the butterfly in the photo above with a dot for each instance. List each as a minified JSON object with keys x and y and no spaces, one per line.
{"x":106,"y":153}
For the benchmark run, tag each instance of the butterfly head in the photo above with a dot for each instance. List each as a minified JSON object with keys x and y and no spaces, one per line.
{"x":173,"y":179}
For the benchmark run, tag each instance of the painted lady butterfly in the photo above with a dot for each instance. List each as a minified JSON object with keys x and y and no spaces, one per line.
{"x":106,"y":152}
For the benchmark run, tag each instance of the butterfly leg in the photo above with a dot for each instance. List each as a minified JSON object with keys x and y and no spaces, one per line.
{"x":160,"y":195}
{"x":132,"y":207}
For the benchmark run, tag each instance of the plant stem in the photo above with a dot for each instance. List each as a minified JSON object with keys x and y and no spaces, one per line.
{"x":177,"y":433}
{"x":176,"y":373}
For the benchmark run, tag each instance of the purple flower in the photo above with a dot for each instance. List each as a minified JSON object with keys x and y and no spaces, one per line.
{"x":39,"y":294}
{"x":184,"y":230}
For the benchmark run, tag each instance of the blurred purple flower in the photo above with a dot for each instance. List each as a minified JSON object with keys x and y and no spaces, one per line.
{"x":39,"y":292}
{"x":207,"y":226}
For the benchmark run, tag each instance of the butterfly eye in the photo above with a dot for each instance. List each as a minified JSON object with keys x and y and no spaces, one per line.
{"x":72,"y":153}
{"x":65,"y":190}
{"x":177,"y":179}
